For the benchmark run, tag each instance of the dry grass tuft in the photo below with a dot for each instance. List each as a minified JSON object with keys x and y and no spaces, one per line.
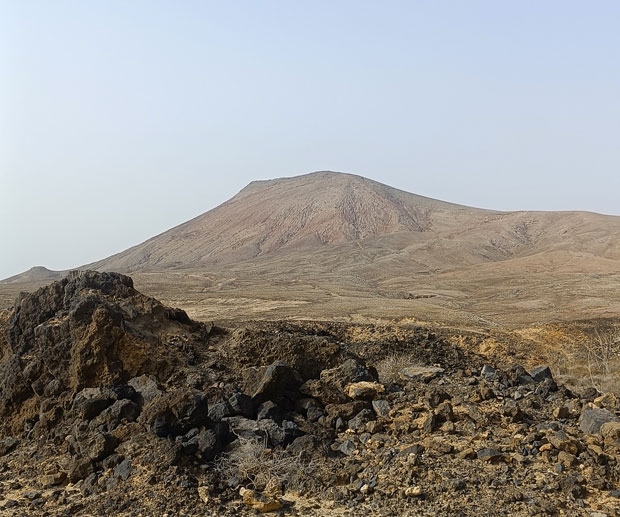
{"x":256,"y":466}
{"x":389,"y":368}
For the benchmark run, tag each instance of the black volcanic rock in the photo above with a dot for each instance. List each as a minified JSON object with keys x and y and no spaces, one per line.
{"x":88,"y":330}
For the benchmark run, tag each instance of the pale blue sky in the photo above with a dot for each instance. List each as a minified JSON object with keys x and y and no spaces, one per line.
{"x":121,"y":119}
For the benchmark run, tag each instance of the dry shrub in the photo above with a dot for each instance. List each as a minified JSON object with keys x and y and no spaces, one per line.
{"x":256,"y":466}
{"x":389,"y":368}
{"x":593,"y":360}
{"x":603,"y":359}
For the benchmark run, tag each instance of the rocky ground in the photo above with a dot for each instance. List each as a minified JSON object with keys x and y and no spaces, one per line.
{"x":111,"y":403}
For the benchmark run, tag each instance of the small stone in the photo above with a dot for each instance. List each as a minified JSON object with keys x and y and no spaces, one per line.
{"x":89,"y":402}
{"x":123,"y":469}
{"x":488,"y":372}
{"x":433,"y":398}
{"x":358,"y":422}
{"x":567,"y":459}
{"x":430,"y":424}
{"x":146,"y":387}
{"x":203,"y":493}
{"x":413,"y":491}
{"x":7,"y":445}
{"x":466,"y":454}
{"x":347,"y":447}
{"x":219,"y":410}
{"x":49,"y":480}
{"x":444,"y":412}
{"x":241,"y":404}
{"x":32,"y":494}
{"x":489,"y":455}
{"x":269,"y":410}
{"x":486,"y":393}
{"x":259,"y":501}
{"x":561,"y":413}
{"x":608,"y":401}
{"x":381,"y":408}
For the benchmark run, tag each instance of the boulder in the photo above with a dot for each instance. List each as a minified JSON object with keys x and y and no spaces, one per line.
{"x":363,"y":390}
{"x":358,"y":422}
{"x":89,"y":402}
{"x":146,"y":387}
{"x":540,"y":373}
{"x":241,"y":404}
{"x":303,"y":445}
{"x":420,"y":373}
{"x":277,"y":382}
{"x":121,"y":411}
{"x":176,"y":412}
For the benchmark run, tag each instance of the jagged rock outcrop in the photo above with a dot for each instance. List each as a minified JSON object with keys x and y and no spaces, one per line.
{"x":89,"y":329}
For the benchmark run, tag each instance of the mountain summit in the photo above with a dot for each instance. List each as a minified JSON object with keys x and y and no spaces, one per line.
{"x":302,"y":212}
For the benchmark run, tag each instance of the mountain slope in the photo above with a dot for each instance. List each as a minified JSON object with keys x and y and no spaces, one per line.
{"x":304,"y":212}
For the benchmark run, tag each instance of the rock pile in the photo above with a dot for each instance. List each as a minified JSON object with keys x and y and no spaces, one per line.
{"x":112,"y":403}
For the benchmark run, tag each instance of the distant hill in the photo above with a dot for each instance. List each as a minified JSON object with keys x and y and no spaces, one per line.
{"x":35,"y":274}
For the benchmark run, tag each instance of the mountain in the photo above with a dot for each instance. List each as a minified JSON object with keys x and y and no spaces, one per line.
{"x":335,"y":245}
{"x":303,"y":212}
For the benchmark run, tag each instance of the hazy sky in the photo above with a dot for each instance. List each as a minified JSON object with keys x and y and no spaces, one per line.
{"x":119,"y":120}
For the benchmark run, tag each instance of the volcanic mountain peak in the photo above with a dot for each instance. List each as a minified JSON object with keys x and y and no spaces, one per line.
{"x":302,"y":212}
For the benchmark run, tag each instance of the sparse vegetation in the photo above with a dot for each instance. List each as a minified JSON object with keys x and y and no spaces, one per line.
{"x":389,"y":368}
{"x":603,"y":359}
{"x":256,"y":466}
